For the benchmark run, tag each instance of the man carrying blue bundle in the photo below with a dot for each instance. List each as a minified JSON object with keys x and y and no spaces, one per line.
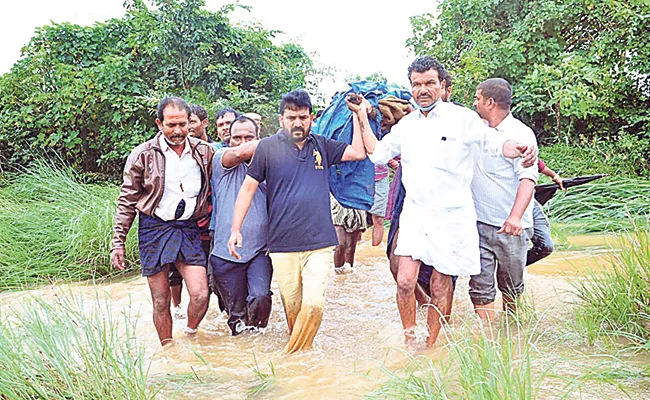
{"x":166,"y":183}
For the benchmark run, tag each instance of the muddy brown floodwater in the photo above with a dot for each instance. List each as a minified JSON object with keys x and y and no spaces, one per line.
{"x":361,"y":331}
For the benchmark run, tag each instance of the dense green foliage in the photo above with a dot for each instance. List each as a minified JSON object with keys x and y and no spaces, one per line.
{"x":89,"y":93}
{"x":579,"y":68}
{"x":54,"y":228}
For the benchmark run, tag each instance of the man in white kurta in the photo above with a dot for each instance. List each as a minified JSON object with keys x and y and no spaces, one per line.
{"x":439,"y":146}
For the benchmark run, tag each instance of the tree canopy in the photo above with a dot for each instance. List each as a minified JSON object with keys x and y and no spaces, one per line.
{"x":88,"y":93}
{"x":580,"y":69}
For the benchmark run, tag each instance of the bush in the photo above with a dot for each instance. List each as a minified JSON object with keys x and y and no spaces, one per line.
{"x":89,"y":93}
{"x":627,"y":157}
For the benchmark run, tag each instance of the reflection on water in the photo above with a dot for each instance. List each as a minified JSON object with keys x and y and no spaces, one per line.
{"x":361,"y":331}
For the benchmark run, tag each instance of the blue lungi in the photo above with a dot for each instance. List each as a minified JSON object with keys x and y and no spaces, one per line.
{"x":164,"y":242}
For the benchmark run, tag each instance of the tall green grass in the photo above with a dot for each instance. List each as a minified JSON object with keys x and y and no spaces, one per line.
{"x":603,"y":206}
{"x":615,"y":300}
{"x":55,"y":227}
{"x":69,"y":348}
{"x":482,"y":364}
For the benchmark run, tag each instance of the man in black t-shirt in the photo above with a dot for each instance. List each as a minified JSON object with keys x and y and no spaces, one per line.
{"x":301,"y":235}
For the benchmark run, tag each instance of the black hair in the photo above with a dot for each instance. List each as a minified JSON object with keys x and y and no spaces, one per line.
{"x":498,"y":89}
{"x":295,"y":100}
{"x":447,"y":79}
{"x":177,"y":102}
{"x":199,"y":111}
{"x":224,"y":111}
{"x":425,"y":63}
{"x":243,"y":118}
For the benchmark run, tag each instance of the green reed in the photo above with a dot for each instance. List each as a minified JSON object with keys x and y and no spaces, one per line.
{"x":55,"y":227}
{"x":483,"y":363}
{"x":615,"y":299}
{"x":608,"y":205}
{"x":70,"y":348}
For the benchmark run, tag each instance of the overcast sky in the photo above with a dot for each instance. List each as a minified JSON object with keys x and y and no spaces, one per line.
{"x":356,"y":37}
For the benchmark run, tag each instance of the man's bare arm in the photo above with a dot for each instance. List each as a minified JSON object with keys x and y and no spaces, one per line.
{"x":356,"y":151}
{"x":512,"y":225}
{"x":242,"y":204}
{"x":360,"y":111}
{"x":528,"y":152}
{"x":237,"y":155}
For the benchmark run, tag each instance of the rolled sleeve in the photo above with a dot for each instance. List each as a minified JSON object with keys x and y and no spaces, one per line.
{"x":531,"y":172}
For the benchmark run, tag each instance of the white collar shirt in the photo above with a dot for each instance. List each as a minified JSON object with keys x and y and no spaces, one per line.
{"x":438,"y":155}
{"x":182,"y":182}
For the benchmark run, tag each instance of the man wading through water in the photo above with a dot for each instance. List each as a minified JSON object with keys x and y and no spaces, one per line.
{"x":166,"y":182}
{"x":301,"y":236}
{"x":440,"y":144}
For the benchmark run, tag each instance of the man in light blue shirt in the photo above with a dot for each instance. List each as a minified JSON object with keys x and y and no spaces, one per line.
{"x":503,"y":191}
{"x":243,"y":283}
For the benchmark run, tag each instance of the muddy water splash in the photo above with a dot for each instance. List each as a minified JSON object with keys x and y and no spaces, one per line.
{"x":361,"y":330}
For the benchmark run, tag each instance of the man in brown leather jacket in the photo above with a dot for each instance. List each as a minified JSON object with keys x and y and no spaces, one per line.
{"x":166,"y":183}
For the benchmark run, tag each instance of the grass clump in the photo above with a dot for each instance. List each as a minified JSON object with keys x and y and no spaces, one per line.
{"x":70,"y":349}
{"x":55,"y":227}
{"x":615,"y":301}
{"x":482,"y":364}
{"x":603,"y":206}
{"x":263,"y":380}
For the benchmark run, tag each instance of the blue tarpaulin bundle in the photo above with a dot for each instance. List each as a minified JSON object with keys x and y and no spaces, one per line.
{"x":353,"y":183}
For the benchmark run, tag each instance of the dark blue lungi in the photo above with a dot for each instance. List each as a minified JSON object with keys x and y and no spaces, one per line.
{"x":164,"y":242}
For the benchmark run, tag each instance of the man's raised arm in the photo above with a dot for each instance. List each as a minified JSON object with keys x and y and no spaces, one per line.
{"x":234,"y":156}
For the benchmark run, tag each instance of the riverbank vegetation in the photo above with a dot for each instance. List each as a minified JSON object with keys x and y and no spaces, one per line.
{"x":54,"y":227}
{"x":68,"y":348}
{"x":615,"y":299}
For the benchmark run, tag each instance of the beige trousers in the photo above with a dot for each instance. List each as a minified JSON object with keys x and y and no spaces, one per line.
{"x":302,"y":278}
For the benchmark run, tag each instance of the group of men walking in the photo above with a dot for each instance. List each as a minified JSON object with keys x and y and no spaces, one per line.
{"x":267,"y":203}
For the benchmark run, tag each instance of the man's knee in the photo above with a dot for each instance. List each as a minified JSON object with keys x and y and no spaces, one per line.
{"x":547,"y":248}
{"x":200,"y":296}
{"x":161,"y":302}
{"x":406,"y":283}
{"x":441,"y":287}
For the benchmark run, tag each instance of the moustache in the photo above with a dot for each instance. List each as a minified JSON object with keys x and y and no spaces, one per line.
{"x":297,"y":130}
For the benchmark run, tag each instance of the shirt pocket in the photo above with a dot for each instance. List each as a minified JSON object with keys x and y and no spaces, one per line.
{"x":448,"y":153}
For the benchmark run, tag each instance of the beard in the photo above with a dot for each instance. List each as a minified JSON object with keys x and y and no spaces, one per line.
{"x":298,"y":134}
